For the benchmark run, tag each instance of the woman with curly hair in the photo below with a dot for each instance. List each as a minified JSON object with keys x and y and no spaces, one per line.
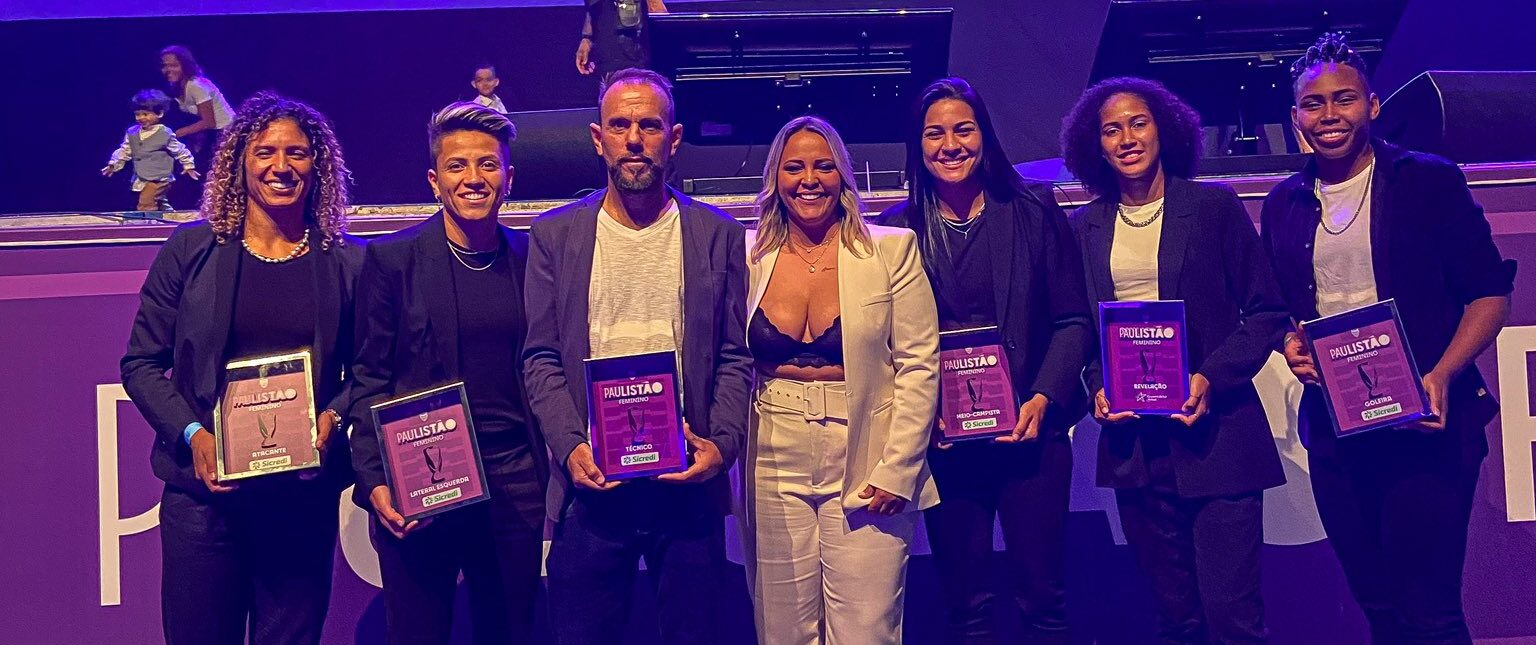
{"x":270,"y":271}
{"x":1189,"y":486}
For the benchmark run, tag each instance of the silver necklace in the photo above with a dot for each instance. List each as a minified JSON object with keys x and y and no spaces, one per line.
{"x":1135,"y":224}
{"x":296,"y":252}
{"x":1358,"y":207}
{"x":459,"y":255}
{"x":963,"y":228}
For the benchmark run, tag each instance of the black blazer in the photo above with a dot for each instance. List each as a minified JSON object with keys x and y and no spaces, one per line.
{"x":408,"y":337}
{"x":1431,"y":249}
{"x":716,"y":367}
{"x":182,"y":327}
{"x":1042,"y":312}
{"x":1209,"y":256}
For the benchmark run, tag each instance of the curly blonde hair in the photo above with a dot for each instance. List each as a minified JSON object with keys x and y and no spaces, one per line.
{"x":224,"y":193}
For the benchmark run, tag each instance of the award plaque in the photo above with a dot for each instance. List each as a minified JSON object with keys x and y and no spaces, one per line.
{"x":1144,"y":358}
{"x":1367,"y":370}
{"x":431,"y":459}
{"x":976,"y":398}
{"x":635,"y":412}
{"x":264,"y":422}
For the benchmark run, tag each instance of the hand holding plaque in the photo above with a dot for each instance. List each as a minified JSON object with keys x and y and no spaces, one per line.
{"x":707,"y":461}
{"x":1368,"y":373}
{"x":264,"y":422}
{"x":635,"y":423}
{"x":1145,"y":359}
{"x":431,"y":456}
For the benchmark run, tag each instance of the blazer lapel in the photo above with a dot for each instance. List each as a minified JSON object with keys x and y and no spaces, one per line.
{"x":1007,"y":241}
{"x":436,"y":282}
{"x":580,"y":244}
{"x":1381,"y":196}
{"x":764,"y":272}
{"x":1098,"y":239}
{"x":328,"y":302}
{"x":1177,"y":209}
{"x":225,"y":261}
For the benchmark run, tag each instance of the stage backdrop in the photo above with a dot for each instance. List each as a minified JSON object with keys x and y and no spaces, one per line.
{"x":80,"y":553}
{"x":379,"y":73}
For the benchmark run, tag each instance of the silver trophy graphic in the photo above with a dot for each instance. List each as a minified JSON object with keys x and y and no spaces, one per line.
{"x":434,"y":458}
{"x":1369,"y":378}
{"x":637,"y":428}
{"x":267,"y":434}
{"x":975,"y":392}
{"x":1148,"y":366}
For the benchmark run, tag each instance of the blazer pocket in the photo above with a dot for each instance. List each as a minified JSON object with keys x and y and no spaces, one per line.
{"x":876,"y":299}
{"x":883,"y":407}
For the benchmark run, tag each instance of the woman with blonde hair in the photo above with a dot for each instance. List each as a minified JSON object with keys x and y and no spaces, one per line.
{"x":844,"y":334}
{"x":271,"y":270}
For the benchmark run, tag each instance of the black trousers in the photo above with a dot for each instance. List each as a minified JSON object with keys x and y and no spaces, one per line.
{"x":497,"y":544}
{"x":1397,"y":505}
{"x":1026,"y":488}
{"x":594,"y":558}
{"x":254,"y":563}
{"x":1202,"y":557}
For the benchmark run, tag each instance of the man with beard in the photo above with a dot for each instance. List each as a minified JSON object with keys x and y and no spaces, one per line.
{"x":637,"y":268}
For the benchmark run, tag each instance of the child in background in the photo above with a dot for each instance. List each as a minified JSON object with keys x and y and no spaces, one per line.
{"x":151,"y":147}
{"x":485,"y":82}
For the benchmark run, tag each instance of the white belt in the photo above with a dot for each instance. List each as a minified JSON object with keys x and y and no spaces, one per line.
{"x":816,"y":400}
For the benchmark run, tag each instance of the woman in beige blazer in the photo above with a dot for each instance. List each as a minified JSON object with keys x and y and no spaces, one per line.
{"x":844,"y":335}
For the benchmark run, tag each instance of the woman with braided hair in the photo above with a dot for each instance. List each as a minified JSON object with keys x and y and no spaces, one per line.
{"x":1363,"y":222}
{"x":270,"y":270}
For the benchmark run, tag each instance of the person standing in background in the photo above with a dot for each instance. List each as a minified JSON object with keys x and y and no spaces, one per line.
{"x":616,"y":34}
{"x":196,"y":95}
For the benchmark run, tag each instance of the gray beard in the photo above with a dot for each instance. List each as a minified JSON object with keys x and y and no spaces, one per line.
{"x":638,"y":183}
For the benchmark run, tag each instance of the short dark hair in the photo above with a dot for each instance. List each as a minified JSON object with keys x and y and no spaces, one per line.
{"x":1178,"y":132}
{"x":151,"y":101}
{"x":484,"y":66}
{"x":1331,"y":47}
{"x":473,"y":117}
{"x":638,"y":75}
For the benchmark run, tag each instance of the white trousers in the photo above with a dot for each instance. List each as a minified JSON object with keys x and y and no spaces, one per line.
{"x":818,"y":573}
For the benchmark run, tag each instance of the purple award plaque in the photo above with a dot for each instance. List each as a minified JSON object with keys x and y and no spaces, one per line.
{"x":431,"y":459}
{"x":636,"y":426}
{"x":976,"y":398}
{"x":1144,"y":359}
{"x":264,"y":422}
{"x":1367,"y":370}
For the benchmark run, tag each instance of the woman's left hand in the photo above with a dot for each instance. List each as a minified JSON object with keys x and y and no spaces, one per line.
{"x":1199,"y":400}
{"x":882,"y":502}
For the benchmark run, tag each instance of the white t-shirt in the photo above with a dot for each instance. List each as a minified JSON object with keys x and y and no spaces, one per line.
{"x":493,"y":102}
{"x":1133,"y":255}
{"x":1341,"y":263}
{"x":200,"y":90}
{"x":635,"y":299}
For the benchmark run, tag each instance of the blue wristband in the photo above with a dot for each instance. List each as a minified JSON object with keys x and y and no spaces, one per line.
{"x":192,"y":429}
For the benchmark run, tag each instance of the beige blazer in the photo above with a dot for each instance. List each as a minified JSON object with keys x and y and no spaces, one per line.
{"x":890,"y":328}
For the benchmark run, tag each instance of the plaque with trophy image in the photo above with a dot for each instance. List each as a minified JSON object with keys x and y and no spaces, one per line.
{"x":431,"y":458}
{"x":976,"y":397}
{"x":1367,"y":371}
{"x":264,"y":422}
{"x":1144,"y":356}
{"x":634,"y":407}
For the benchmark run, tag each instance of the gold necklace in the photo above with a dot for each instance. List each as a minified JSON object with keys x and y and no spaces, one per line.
{"x":811,"y":264}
